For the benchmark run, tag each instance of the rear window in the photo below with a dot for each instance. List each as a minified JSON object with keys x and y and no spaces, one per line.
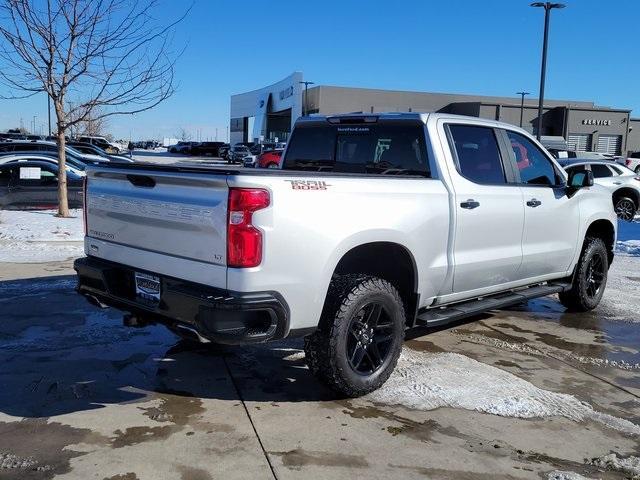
{"x":385,"y":149}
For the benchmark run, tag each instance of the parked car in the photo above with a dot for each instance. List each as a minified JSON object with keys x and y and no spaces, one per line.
{"x":106,"y":145}
{"x":89,"y":149}
{"x":76,"y":167}
{"x":351,"y":243}
{"x":237,"y":153}
{"x":50,"y":147}
{"x":34,"y":185}
{"x":633,"y":162}
{"x":270,"y":159}
{"x":180,"y":147}
{"x":249,"y":161}
{"x":207,"y":148}
{"x":622,"y":182}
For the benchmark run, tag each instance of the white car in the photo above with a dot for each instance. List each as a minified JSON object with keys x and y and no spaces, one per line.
{"x":622,"y":182}
{"x":633,"y":162}
{"x":374,"y":224}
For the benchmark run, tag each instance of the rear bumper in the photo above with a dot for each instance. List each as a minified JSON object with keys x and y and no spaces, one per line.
{"x":218,"y":315}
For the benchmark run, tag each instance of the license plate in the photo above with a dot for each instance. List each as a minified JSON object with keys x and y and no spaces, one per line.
{"x":147,"y":287}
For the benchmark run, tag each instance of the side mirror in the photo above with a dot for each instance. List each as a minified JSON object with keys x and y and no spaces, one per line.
{"x":580,"y":179}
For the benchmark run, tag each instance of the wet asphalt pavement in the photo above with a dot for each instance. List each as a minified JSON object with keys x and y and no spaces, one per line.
{"x":82,"y":397}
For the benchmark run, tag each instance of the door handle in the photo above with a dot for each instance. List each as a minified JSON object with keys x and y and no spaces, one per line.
{"x":617,"y":183}
{"x":534,"y":203}
{"x":470,"y":204}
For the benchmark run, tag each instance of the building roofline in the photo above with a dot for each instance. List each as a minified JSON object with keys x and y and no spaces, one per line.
{"x":530,"y":101}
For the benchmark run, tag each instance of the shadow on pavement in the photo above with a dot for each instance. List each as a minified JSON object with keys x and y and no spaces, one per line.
{"x":58,"y":355}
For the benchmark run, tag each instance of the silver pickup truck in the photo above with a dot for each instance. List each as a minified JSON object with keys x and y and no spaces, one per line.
{"x":374,"y":224}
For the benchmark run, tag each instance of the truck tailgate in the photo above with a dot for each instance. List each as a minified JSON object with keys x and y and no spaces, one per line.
{"x":149,"y":213}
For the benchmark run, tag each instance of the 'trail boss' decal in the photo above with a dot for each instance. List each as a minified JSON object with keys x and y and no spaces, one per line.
{"x":308,"y":184}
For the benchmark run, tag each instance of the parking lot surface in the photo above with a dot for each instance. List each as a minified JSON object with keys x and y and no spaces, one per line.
{"x":531,"y":392}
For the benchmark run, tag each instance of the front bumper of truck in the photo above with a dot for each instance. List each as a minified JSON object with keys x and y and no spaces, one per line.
{"x":214,"y":314}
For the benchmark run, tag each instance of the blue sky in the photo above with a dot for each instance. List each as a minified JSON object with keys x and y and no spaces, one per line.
{"x":487,"y":47}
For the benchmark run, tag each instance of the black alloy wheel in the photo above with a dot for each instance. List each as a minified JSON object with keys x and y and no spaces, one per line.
{"x":370,"y":337}
{"x":625,"y":209}
{"x":595,"y":275}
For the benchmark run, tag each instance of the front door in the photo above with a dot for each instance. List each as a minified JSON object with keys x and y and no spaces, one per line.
{"x":36,"y":186}
{"x":552,"y":219}
{"x":489,"y":214}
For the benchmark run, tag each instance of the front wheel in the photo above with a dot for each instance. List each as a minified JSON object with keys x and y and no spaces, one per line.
{"x":359,"y":339}
{"x":590,"y":278}
{"x":625,"y":208}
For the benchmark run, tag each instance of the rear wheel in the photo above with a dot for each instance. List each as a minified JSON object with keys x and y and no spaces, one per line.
{"x":590,"y":278}
{"x":625,"y":208}
{"x":359,"y":340}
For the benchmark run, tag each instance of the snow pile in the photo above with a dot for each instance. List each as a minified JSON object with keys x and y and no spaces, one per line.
{"x":629,"y":465}
{"x":560,"y":475}
{"x":39,"y":236}
{"x":40,"y":226}
{"x":427,"y":381}
{"x":629,"y":238}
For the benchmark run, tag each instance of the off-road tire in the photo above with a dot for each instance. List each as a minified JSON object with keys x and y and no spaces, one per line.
{"x":326,"y":349}
{"x":578,"y":299}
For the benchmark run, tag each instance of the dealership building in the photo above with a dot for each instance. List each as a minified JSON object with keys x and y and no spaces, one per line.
{"x":269,"y":113}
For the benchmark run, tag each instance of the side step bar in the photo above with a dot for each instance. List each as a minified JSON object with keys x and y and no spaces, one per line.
{"x":442,"y":315}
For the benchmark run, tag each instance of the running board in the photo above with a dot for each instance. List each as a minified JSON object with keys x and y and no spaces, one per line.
{"x":446,"y":314}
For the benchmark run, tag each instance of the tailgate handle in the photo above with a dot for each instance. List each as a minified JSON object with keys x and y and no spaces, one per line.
{"x":142,"y":181}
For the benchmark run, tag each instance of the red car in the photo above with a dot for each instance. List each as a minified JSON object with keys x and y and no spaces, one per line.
{"x":269,"y":159}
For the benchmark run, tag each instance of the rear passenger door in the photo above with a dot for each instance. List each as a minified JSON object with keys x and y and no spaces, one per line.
{"x":552,"y":219}
{"x":489,"y":210}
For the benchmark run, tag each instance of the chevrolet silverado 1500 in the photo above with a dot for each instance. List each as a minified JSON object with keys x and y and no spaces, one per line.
{"x":373,"y":224}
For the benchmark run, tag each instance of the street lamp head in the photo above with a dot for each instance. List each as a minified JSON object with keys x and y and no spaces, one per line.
{"x":548,"y":5}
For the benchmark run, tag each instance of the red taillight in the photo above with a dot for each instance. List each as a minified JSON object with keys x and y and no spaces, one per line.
{"x":244,"y":241}
{"x":85,"y":180}
{"x":628,"y":161}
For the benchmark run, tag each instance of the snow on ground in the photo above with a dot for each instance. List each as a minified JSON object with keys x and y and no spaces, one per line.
{"x":629,"y":238}
{"x":562,"y":475}
{"x":629,"y":465}
{"x":39,"y":236}
{"x":427,"y":381}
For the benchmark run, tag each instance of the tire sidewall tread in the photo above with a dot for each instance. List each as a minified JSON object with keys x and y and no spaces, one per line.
{"x":326,"y":348}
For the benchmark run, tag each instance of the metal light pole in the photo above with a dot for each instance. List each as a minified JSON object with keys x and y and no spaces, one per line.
{"x":522,"y":94}
{"x":548,"y":6}
{"x":306,"y":88}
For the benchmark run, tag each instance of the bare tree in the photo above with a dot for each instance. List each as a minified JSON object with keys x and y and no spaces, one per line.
{"x":94,"y":58}
{"x":94,"y":124}
{"x":183,"y":135}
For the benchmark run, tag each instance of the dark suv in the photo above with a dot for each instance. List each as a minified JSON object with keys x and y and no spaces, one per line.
{"x":207,"y":148}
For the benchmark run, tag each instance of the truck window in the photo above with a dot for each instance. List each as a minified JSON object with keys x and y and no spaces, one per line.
{"x":477,"y":154}
{"x":311,"y":148}
{"x":368,"y":149}
{"x":534,"y":167}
